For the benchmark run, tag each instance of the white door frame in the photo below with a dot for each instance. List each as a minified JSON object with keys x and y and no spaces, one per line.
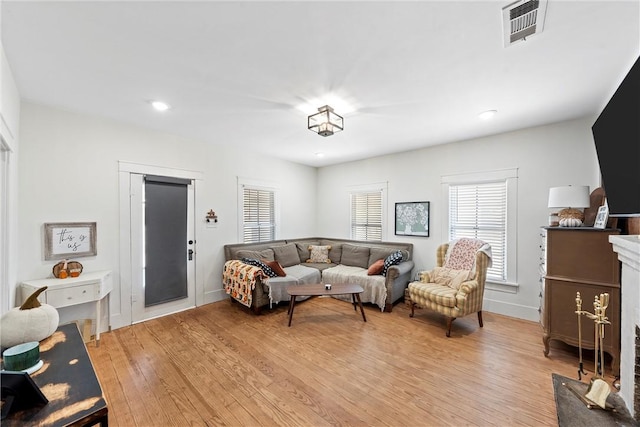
{"x":5,"y":238}
{"x":120,"y":300}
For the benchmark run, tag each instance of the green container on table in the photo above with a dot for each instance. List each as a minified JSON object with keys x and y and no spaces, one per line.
{"x":21,"y":356}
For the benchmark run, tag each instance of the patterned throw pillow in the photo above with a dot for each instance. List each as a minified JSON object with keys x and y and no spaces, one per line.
{"x":319,"y":254}
{"x":257,"y":263}
{"x":393,"y":259}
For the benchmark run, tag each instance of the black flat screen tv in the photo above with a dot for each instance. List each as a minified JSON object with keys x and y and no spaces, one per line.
{"x":616,"y":133}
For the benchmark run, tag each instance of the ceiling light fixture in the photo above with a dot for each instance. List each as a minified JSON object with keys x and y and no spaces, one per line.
{"x":325,"y":122}
{"x":159,"y":105}
{"x":486,"y":115}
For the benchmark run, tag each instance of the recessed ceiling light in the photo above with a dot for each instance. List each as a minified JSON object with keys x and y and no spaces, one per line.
{"x":159,"y":105}
{"x":319,"y":154}
{"x":485,"y":115}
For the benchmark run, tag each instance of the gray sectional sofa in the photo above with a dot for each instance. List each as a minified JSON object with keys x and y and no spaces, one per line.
{"x":349,"y":262}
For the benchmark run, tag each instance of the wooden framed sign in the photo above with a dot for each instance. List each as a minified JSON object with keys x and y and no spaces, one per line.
{"x":69,"y":240}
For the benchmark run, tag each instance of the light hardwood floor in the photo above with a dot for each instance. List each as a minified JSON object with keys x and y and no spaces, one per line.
{"x":221,"y":365}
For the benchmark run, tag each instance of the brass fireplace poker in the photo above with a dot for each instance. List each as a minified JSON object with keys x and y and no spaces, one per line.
{"x":598,"y":391}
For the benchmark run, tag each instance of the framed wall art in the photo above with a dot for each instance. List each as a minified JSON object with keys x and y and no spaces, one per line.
{"x":412,"y":219}
{"x":69,"y":240}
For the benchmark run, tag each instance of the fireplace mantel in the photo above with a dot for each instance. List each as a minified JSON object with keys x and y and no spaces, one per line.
{"x":628,"y":250}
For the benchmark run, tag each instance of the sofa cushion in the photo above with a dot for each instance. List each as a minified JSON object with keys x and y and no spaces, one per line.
{"x":393,"y":259}
{"x":257,"y":263}
{"x":263,"y":254}
{"x":449,"y":277}
{"x":379,"y":253}
{"x":376,"y":268}
{"x":287,"y":255}
{"x":276,"y":267}
{"x":356,"y":256}
{"x":319,"y":254}
{"x":303,"y":249}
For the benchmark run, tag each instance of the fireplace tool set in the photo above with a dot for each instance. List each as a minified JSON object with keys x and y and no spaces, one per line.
{"x":598,"y":391}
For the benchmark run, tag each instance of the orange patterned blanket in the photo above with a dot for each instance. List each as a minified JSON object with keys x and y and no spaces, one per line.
{"x":239,"y":280}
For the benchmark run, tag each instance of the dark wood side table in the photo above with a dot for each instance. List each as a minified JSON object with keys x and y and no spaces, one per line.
{"x":69,"y":381}
{"x":319,"y":290}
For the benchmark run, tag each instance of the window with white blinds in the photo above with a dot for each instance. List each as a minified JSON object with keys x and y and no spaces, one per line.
{"x":258,"y":215}
{"x":480,"y":211}
{"x":366,"y":215}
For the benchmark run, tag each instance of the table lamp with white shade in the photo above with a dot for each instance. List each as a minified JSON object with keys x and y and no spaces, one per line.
{"x":573,"y":199}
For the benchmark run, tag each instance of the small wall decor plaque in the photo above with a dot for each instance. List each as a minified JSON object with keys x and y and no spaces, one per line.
{"x":69,"y":240}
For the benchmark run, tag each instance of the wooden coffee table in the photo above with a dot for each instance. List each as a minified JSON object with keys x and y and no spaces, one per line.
{"x":319,"y":290}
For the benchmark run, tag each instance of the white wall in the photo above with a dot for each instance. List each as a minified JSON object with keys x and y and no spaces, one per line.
{"x":69,"y":172}
{"x":9,"y":132}
{"x":545,"y":156}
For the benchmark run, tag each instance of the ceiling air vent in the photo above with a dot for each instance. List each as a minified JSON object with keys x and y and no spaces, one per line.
{"x":523,"y":19}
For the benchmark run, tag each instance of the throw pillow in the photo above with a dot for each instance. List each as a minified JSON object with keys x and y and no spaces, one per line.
{"x":393,"y":259}
{"x":257,"y":263}
{"x":376,"y":268}
{"x":449,"y":277}
{"x":319,"y":254}
{"x":287,"y":255}
{"x":276,"y":267}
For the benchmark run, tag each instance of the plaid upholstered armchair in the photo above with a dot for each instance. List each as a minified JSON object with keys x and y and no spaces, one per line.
{"x":455,"y":287}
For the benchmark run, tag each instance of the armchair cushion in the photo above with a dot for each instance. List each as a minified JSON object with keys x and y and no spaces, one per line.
{"x":433,"y":293}
{"x":449,"y":277}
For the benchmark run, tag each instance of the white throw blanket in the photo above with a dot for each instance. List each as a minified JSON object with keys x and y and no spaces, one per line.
{"x":296,"y":275}
{"x":374,"y":289}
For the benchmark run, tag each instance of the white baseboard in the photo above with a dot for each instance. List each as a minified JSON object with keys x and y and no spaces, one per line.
{"x":511,"y":310}
{"x":213,"y":296}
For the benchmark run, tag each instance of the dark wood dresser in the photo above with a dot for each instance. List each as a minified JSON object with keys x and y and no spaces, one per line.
{"x":579,"y":259}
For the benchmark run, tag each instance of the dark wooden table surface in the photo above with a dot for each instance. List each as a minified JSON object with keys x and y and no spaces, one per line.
{"x":69,"y":382}
{"x":320,"y":290}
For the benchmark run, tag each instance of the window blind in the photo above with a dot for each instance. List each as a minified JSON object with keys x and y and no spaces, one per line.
{"x":479,"y":211}
{"x":259,"y":223}
{"x":366,"y":216}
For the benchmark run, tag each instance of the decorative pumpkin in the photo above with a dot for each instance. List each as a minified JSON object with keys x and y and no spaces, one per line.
{"x":570,"y":222}
{"x":32,"y":321}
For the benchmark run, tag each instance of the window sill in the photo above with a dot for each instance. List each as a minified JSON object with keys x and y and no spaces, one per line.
{"x":507,"y":287}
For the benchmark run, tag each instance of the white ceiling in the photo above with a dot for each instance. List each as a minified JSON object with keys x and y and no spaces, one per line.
{"x":418,"y":73}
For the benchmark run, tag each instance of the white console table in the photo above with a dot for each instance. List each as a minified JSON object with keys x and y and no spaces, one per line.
{"x":88,"y":287}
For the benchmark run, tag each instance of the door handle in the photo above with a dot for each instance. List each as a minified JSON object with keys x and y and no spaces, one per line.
{"x":190,"y":253}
